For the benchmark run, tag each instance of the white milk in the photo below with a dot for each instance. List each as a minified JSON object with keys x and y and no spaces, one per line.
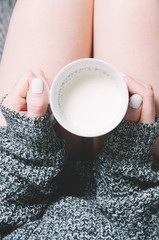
{"x":90,"y":99}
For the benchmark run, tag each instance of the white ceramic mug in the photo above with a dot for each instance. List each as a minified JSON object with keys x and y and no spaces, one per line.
{"x":89,"y":97}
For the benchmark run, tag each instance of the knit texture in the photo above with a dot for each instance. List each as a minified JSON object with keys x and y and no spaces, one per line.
{"x":45,"y":196}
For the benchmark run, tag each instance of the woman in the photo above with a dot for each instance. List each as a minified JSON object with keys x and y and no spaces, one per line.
{"x":48,"y":35}
{"x":45,"y":194}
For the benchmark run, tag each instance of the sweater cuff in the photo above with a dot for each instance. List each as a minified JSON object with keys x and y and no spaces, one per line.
{"x":35,"y":128}
{"x":126,"y":127}
{"x":30,"y":135}
{"x":129,"y":137}
{"x":128,"y":150}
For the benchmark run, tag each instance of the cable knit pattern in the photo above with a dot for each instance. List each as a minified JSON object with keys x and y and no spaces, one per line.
{"x":127,"y":178}
{"x":45,"y":196}
{"x":31,"y":157}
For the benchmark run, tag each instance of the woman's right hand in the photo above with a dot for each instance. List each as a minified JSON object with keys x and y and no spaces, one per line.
{"x":29,"y":95}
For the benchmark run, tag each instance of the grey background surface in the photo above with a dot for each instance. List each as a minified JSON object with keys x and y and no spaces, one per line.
{"x":6,"y":8}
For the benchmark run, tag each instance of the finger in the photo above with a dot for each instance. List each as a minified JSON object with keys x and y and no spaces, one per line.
{"x":16,"y":97}
{"x":134,"y":108}
{"x":147,"y":94}
{"x":40,"y":74}
{"x":22,"y":85}
{"x":37,"y":101}
{"x":148,"y":108}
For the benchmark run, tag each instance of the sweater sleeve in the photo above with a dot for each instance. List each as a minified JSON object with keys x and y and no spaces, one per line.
{"x":127,"y":180}
{"x":31,"y":157}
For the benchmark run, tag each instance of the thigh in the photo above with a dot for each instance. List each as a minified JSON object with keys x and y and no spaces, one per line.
{"x":126,"y":34}
{"x":46,"y":35}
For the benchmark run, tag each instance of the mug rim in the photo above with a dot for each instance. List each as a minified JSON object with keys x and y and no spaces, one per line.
{"x":56,"y":82}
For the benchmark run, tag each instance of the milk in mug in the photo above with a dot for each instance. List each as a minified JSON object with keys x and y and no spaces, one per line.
{"x":90,"y":100}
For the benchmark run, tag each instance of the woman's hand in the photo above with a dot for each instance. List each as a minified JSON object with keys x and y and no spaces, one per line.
{"x":144,"y":111}
{"x":32,"y":87}
{"x":37,"y":99}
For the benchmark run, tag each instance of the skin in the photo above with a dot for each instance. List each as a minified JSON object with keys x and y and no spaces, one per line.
{"x":37,"y":103}
{"x":45,"y":44}
{"x":126,"y":34}
{"x":46,"y":35}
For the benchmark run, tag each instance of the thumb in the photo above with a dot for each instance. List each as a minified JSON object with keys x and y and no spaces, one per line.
{"x":37,"y":99}
{"x":134,"y":108}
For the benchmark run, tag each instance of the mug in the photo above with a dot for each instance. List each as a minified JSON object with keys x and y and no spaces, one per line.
{"x":89,"y":97}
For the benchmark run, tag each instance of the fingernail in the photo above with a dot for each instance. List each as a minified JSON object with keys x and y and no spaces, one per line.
{"x":135,"y":101}
{"x":37,"y":85}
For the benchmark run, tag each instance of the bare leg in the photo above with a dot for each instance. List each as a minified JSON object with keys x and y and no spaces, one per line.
{"x":46,"y":35}
{"x":126,"y":34}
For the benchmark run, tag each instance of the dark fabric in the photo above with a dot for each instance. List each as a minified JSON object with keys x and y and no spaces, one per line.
{"x":45,"y":196}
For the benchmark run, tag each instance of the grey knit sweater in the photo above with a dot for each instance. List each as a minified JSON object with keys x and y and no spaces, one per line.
{"x":45,"y":196}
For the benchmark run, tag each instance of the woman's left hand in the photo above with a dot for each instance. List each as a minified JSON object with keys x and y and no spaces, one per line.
{"x":141,"y":103}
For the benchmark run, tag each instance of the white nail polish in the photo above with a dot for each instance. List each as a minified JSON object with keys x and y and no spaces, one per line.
{"x":135,"y":101}
{"x":37,"y":85}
